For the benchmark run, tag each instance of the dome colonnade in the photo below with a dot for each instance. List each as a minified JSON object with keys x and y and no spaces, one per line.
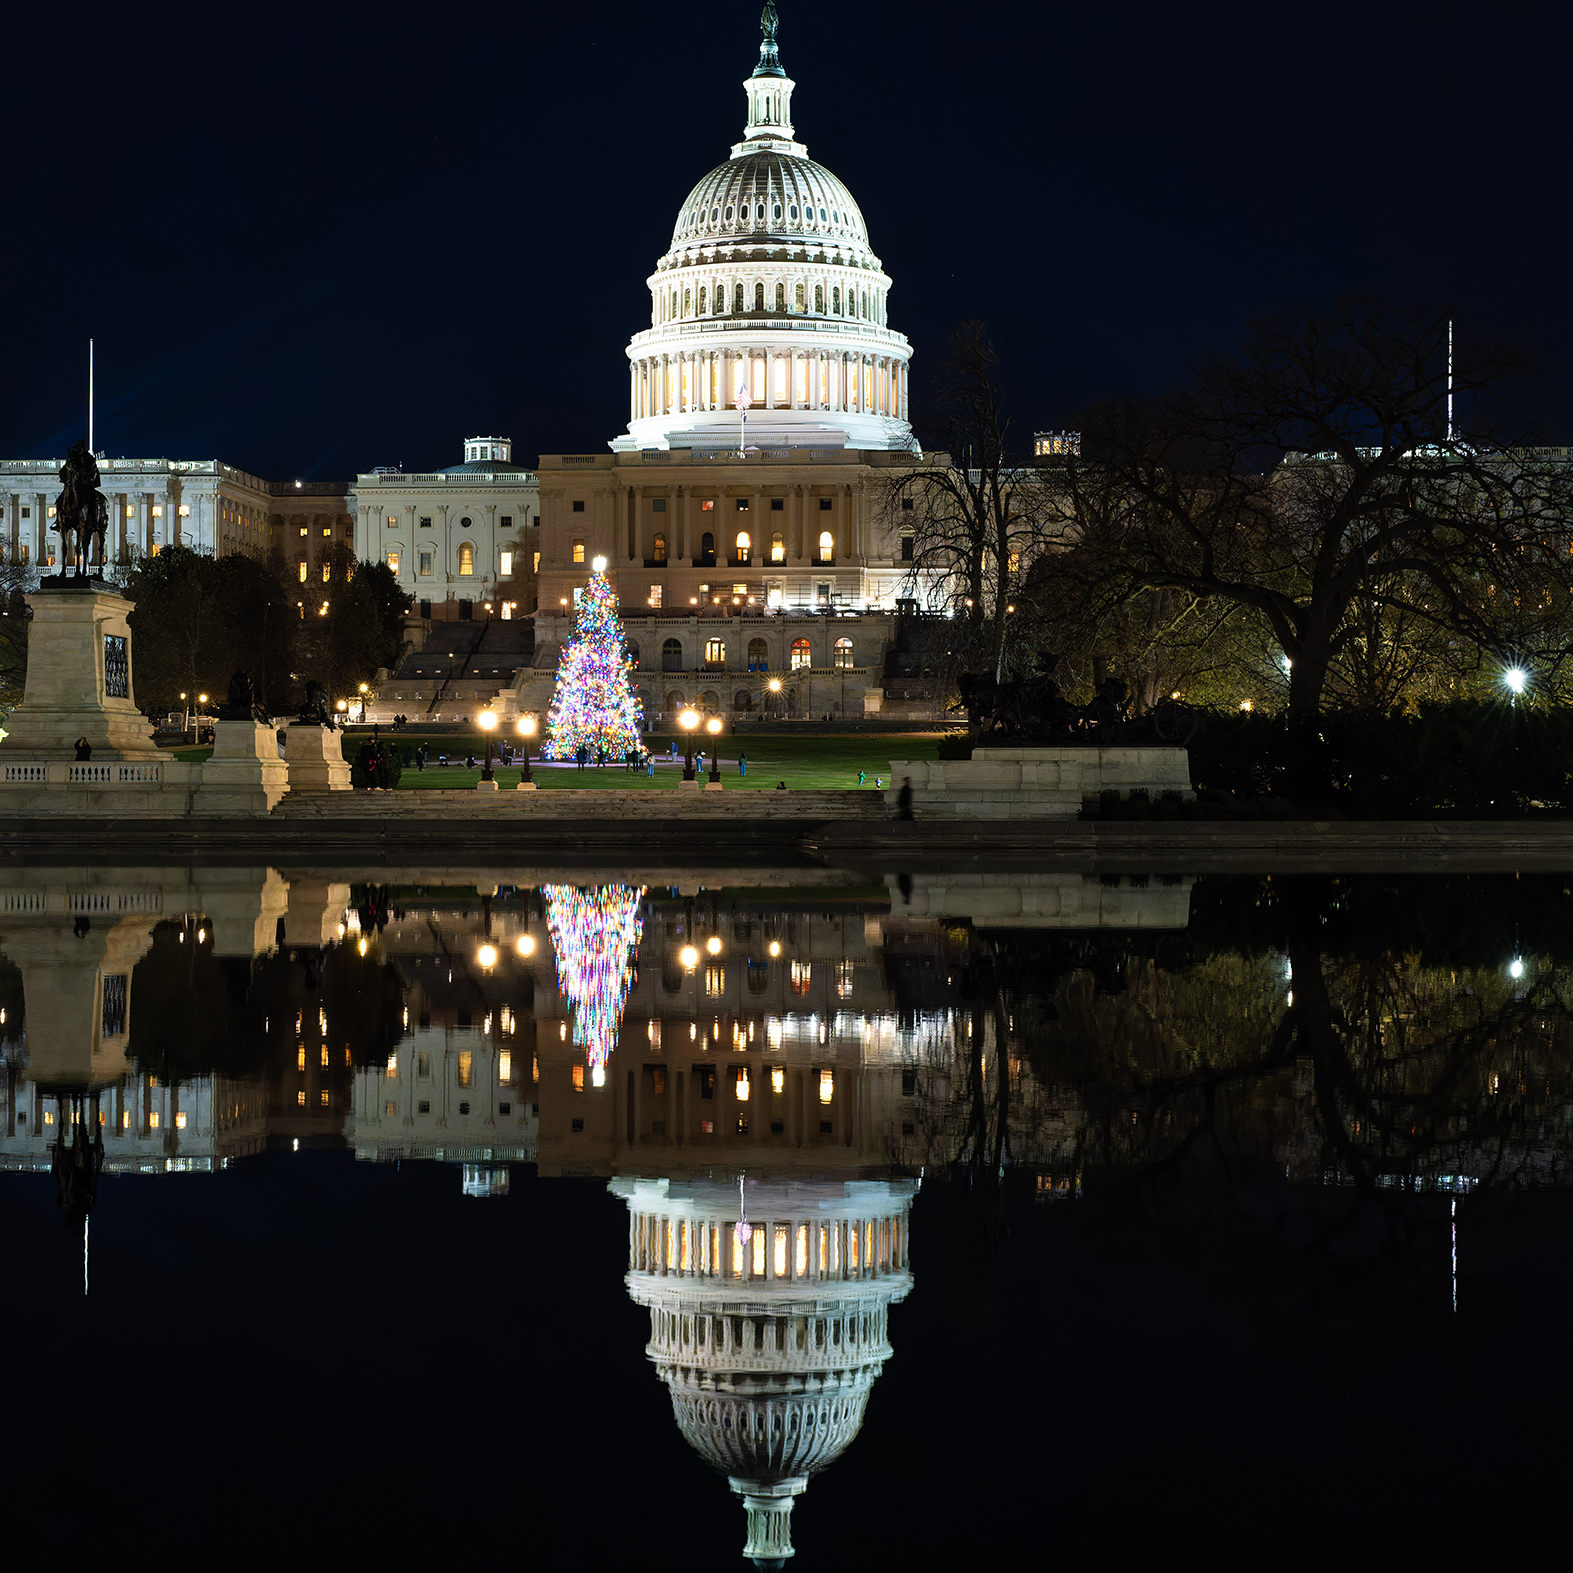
{"x":769,"y":285}
{"x":768,"y":1333}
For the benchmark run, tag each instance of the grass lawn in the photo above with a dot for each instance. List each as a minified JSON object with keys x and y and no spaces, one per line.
{"x":800,"y":761}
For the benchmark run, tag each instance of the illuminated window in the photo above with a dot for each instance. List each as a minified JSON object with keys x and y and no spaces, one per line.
{"x":300,"y":1098}
{"x":737,"y":1255}
{"x":302,"y":570}
{"x":505,"y":1066}
{"x":715,"y":652}
{"x":802,"y":975}
{"x":323,"y":1096}
{"x":466,"y":1067}
{"x":707,"y":506}
{"x":393,"y":1067}
{"x":655,"y":595}
{"x":778,"y":1264}
{"x":393,"y":561}
{"x":742,"y":543}
{"x":327,"y":532}
{"x":300,"y":1058}
{"x":578,"y":1078}
{"x":842,"y":656}
{"x":801,"y":657}
{"x":152,"y":1120}
{"x":324,"y":1056}
{"x":425,"y":564}
{"x":466,"y":558}
{"x":327,"y":572}
{"x":800,"y":1265}
{"x":758,"y":1252}
{"x":578,"y":551}
{"x":827,"y":547}
{"x":505,"y":563}
{"x":777,"y":548}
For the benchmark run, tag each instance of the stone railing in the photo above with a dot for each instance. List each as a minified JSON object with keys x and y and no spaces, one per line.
{"x":67,"y":772}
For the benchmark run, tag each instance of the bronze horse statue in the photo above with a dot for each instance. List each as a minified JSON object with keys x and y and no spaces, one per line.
{"x":80,"y":510}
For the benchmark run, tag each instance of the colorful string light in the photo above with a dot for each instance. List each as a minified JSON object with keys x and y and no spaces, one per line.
{"x":593,"y":704}
{"x":594,"y":932}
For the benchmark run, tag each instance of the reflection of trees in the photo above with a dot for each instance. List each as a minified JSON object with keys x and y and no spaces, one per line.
{"x":1362,"y":1037}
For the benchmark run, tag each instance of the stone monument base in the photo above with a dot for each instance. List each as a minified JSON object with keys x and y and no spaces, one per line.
{"x":1036,"y":783}
{"x":245,"y":776}
{"x":315,"y":758}
{"x":79,"y":680}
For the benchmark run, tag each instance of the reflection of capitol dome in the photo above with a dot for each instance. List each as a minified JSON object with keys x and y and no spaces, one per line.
{"x":769,"y":285}
{"x":770,"y":1345}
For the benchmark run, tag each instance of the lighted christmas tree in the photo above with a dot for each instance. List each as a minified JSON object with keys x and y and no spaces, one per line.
{"x":594,"y":702}
{"x":595,"y":931}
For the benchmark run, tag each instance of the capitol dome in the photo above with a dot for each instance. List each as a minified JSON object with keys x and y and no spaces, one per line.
{"x":769,"y":300}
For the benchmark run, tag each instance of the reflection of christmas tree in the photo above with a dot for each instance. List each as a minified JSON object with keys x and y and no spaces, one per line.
{"x":594,"y":933}
{"x":593,"y":702}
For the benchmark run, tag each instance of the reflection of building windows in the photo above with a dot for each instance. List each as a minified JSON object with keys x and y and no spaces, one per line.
{"x":323,"y":1097}
{"x":578,"y":550}
{"x":505,"y":1063}
{"x":300,"y":1058}
{"x":300,"y":1102}
{"x":715,"y":982}
{"x":802,"y":975}
{"x":578,"y":1078}
{"x":801,"y":657}
{"x":324,"y":1056}
{"x":393,"y":1067}
{"x":327,"y":572}
{"x":466,"y":1067}
{"x":843,"y":979}
{"x":388,"y":1109}
{"x":423,"y":1066}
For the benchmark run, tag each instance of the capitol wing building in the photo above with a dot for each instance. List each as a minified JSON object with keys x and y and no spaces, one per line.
{"x":768,"y":404}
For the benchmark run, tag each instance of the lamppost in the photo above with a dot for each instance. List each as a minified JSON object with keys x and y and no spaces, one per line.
{"x":526,"y":731}
{"x":688,"y":720}
{"x":343,"y":708}
{"x":185,"y":714}
{"x":202,"y":699}
{"x":774,"y":686}
{"x":713,"y":727}
{"x":363,"y":704}
{"x":488,"y":721}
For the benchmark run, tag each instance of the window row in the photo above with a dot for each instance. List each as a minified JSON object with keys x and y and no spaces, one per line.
{"x":710,"y":300}
{"x":774,"y":209}
{"x":741,"y":556}
{"x":800,"y":655}
{"x":466,"y":562}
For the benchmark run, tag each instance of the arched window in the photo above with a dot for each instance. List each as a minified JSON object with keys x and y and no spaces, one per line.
{"x":632,"y":647}
{"x":843,"y":654}
{"x":742,"y":545}
{"x":674,"y":700}
{"x":729,"y":213}
{"x":777,"y":548}
{"x":758,"y":656}
{"x":674,"y":302}
{"x":827,"y":547}
{"x":672,"y":661}
{"x":792,"y":212}
{"x":780,"y":297}
{"x":801,"y":659}
{"x":707,"y":549}
{"x":799,"y":298}
{"x":906,"y":545}
{"x":659,"y":551}
{"x":819,"y":300}
{"x":701,"y":300}
{"x":738,"y":298}
{"x":759,"y":212}
{"x":759,"y":297}
{"x":715,"y":652}
{"x":742,"y":700}
{"x":688,"y":301}
{"x":466,"y":558}
{"x":709,"y":701}
{"x":835,"y":301}
{"x":777,"y":213}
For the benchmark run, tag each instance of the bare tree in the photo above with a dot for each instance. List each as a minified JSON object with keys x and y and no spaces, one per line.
{"x":1320,"y":474}
{"x":972,"y":513}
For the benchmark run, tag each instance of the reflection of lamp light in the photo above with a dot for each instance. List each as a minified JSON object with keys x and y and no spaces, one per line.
{"x":827,"y":1085}
{"x":487,"y":956}
{"x":526,"y":945}
{"x":1515,"y":968}
{"x":362,"y":945}
{"x":689,"y":957}
{"x":742,"y":1084}
{"x":597,"y":1075}
{"x":713,"y":944}
{"x":777,"y":1078}
{"x":775,"y":947}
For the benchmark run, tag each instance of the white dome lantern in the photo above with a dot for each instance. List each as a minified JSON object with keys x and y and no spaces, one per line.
{"x":769,"y":284}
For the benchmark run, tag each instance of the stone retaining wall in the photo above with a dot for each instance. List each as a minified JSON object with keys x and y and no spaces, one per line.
{"x":585,"y":803}
{"x":1035,"y":783}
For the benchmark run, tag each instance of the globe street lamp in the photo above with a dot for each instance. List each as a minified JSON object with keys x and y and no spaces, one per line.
{"x":488,"y":721}
{"x":688,"y":720}
{"x":713,"y":727}
{"x":526,"y":727}
{"x":202,"y":699}
{"x":363,"y":704}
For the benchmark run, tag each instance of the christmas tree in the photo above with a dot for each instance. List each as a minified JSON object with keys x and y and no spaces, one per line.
{"x":594,"y":702}
{"x":595,"y":932}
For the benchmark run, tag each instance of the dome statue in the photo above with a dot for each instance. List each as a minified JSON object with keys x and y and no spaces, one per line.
{"x":768,"y":1323}
{"x":771,"y":302}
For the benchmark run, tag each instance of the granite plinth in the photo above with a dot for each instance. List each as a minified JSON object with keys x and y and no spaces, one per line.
{"x":79,"y":680}
{"x":315,"y":755}
{"x":245,"y":774}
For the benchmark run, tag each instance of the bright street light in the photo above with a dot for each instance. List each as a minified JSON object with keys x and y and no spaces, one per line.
{"x":526,"y":945}
{"x":487,"y":955}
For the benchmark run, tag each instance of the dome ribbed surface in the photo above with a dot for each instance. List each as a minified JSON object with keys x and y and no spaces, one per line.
{"x":794,"y":193}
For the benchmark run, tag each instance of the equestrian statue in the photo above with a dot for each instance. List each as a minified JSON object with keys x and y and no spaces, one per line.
{"x":80,"y":512}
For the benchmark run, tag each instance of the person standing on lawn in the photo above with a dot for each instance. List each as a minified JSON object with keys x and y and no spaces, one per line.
{"x":861,"y":775}
{"x":742,"y":764}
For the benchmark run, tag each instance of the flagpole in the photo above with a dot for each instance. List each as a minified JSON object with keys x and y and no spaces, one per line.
{"x":1449,"y":379}
{"x":90,"y":396}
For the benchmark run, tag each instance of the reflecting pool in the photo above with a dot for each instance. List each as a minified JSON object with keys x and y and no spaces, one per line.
{"x":810,"y":1213}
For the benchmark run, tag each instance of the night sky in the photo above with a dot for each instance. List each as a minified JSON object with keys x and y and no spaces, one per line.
{"x":309,"y":239}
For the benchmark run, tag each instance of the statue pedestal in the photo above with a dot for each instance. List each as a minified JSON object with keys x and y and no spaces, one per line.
{"x":525,"y":786}
{"x":315,"y":758}
{"x":79,"y":680}
{"x":245,"y":774}
{"x":486,"y":786}
{"x":688,"y":786}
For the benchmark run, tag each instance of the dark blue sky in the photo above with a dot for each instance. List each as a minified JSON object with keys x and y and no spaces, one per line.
{"x":313,"y":238}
